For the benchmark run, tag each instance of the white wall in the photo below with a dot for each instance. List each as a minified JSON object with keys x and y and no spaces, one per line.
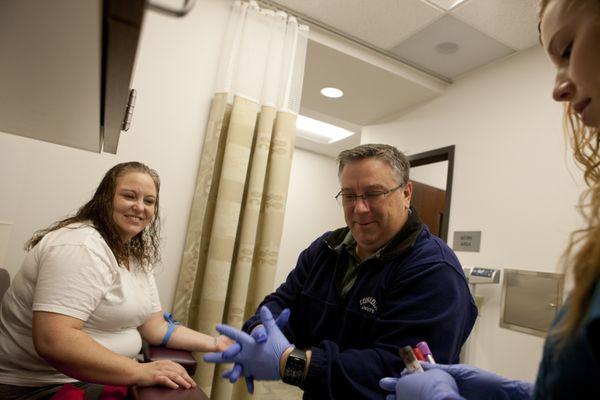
{"x":511,"y":181}
{"x":311,"y":209}
{"x":434,"y":174}
{"x":175,"y":71}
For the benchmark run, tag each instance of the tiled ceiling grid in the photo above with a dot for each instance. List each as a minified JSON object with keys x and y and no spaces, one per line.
{"x":443,"y":36}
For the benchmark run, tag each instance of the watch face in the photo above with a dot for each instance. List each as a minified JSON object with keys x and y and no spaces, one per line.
{"x":294,"y":368}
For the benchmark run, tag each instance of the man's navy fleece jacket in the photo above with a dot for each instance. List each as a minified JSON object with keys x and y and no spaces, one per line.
{"x":412,"y":290}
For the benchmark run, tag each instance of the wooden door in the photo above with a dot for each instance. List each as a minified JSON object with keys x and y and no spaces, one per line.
{"x":430,"y":203}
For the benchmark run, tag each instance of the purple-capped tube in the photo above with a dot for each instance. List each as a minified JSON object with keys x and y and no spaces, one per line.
{"x":426,"y":352}
{"x":410,"y":361}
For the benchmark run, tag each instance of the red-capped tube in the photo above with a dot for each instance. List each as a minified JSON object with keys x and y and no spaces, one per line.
{"x":418,"y":354}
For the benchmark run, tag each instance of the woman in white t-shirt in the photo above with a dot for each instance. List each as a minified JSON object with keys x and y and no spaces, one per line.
{"x":85,"y":297}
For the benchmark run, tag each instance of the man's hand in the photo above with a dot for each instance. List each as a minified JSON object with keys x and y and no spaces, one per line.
{"x":260,"y":336}
{"x":257,"y":360}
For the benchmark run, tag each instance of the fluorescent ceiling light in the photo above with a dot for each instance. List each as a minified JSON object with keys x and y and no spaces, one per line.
{"x":332,"y":92}
{"x":319,"y":131}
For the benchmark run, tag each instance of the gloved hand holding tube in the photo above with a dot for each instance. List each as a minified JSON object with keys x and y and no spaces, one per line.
{"x":449,"y":382}
{"x":430,"y":385}
{"x":476,"y":383}
{"x":416,"y":384}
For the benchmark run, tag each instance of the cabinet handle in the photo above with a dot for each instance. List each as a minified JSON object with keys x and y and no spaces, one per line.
{"x":129,"y":110}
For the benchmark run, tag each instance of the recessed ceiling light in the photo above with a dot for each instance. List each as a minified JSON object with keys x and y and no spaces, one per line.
{"x":319,"y":131}
{"x":446,"y":47}
{"x":332,"y":92}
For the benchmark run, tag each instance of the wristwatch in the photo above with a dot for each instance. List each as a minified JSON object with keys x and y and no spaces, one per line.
{"x":293,"y":373}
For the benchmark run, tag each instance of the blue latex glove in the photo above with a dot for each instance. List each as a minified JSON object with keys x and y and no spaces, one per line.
{"x":431,"y":385}
{"x":257,"y":360}
{"x":476,"y":383}
{"x":259,"y":334}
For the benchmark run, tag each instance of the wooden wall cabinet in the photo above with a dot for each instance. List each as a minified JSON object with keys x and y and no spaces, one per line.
{"x":65,"y":69}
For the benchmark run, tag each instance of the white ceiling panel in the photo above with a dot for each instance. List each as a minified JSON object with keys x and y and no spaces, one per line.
{"x":474,"y":48}
{"x":370,"y":92}
{"x":513,"y":22}
{"x":383,"y":23}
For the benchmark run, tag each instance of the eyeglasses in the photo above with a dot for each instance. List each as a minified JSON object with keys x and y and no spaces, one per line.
{"x":372,"y":198}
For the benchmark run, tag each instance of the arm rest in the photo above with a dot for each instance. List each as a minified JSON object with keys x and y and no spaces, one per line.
{"x":164,"y":393}
{"x":182,"y":357}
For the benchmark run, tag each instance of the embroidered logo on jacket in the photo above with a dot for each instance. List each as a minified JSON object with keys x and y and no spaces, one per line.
{"x":368,"y":304}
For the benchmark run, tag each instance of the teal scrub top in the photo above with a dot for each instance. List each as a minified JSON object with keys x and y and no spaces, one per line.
{"x":575,"y":373}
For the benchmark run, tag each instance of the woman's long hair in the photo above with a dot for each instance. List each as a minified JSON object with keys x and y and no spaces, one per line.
{"x":143,"y":247}
{"x":582,"y":255}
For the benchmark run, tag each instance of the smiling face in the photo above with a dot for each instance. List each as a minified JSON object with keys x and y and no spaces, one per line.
{"x":134,"y":203}
{"x":372,"y":226}
{"x":570,"y":33}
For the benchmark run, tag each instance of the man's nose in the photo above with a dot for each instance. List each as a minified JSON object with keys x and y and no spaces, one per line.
{"x":361,"y":205}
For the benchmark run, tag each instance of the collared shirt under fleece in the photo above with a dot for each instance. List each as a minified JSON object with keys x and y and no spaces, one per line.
{"x":412,"y":290}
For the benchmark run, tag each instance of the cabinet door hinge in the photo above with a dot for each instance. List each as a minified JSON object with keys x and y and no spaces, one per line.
{"x":129,"y":110}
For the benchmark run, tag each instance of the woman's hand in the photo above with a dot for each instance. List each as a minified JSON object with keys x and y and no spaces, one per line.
{"x":222,"y":343}
{"x":166,"y":373}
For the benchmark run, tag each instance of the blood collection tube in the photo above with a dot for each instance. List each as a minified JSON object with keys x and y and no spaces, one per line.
{"x":410,"y":361}
{"x":426,"y":352}
{"x":418,"y":354}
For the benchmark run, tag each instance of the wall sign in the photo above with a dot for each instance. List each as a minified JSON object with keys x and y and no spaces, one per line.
{"x":466,"y":241}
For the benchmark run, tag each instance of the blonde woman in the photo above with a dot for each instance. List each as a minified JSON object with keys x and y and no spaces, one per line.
{"x":570,"y":367}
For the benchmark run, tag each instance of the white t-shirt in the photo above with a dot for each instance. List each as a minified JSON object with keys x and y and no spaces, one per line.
{"x":73,"y":272}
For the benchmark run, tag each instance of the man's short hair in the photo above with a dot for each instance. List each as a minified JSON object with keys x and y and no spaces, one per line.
{"x":384,"y":152}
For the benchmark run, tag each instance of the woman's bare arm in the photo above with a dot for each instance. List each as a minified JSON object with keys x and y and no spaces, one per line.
{"x":59,"y":339}
{"x":183,"y":338}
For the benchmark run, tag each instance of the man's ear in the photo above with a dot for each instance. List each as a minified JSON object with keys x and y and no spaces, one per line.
{"x":407,"y":192}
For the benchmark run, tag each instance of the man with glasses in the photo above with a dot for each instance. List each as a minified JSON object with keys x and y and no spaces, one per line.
{"x":360,"y":293}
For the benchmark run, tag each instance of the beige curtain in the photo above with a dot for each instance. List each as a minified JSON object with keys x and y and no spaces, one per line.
{"x":232,"y":243}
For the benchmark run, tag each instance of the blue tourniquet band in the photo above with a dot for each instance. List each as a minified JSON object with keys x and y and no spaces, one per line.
{"x":172,"y":323}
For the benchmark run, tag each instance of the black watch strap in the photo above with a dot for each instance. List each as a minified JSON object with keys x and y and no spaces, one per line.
{"x":293,"y":373}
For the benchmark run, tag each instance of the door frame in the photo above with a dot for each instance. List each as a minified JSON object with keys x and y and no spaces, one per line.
{"x":433,"y":156}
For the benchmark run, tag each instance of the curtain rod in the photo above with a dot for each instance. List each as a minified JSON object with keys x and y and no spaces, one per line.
{"x":328,"y":28}
{"x":173,"y":12}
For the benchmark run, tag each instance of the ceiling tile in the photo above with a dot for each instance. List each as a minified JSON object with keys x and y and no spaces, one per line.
{"x":475,"y":48}
{"x":513,"y":22}
{"x":383,"y":23}
{"x":370,"y":93}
